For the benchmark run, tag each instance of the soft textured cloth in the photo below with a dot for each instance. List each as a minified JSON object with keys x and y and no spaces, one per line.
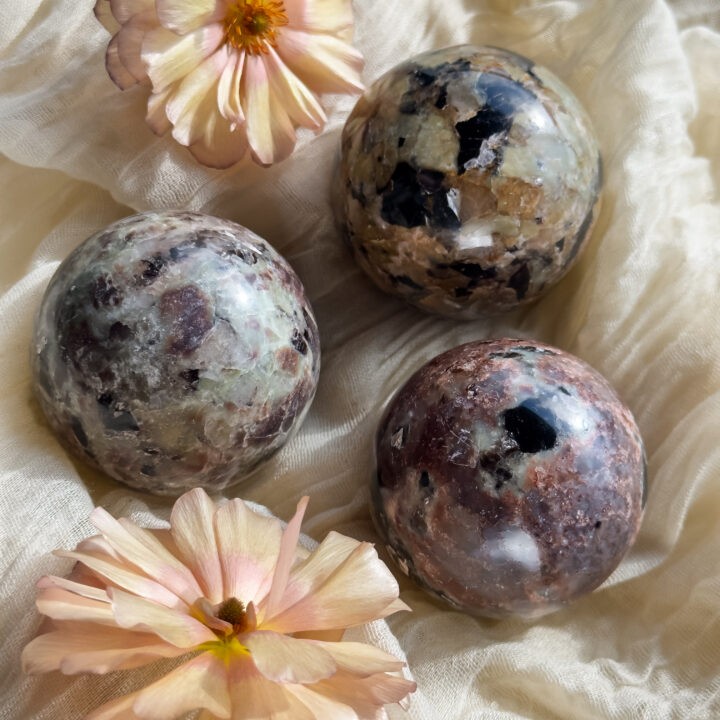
{"x":642,"y":306}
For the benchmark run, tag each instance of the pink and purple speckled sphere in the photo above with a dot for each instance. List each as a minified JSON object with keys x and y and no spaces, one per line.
{"x":175,"y":350}
{"x":510,"y":478}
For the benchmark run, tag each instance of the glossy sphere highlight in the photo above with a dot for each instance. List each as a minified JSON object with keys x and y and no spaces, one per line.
{"x":510,"y":478}
{"x":175,"y":350}
{"x":470,"y":181}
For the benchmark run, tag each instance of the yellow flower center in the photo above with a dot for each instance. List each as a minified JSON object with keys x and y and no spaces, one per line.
{"x":252,"y":25}
{"x":227,"y":646}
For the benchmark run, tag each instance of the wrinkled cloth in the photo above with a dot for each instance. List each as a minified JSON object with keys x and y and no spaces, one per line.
{"x":642,"y":306}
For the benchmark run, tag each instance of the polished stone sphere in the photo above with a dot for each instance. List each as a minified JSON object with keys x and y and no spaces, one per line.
{"x":510,"y":478}
{"x":174,"y":350}
{"x":469,"y":181}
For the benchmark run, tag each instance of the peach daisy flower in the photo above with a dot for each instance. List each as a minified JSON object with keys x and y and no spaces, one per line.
{"x":255,"y":618}
{"x":228,"y":75}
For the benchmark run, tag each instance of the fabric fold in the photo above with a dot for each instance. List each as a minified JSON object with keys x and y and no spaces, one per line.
{"x":640,"y":307}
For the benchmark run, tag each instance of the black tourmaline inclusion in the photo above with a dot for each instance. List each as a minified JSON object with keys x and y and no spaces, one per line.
{"x":503,"y":97}
{"x":415,"y":198}
{"x":530,"y":431}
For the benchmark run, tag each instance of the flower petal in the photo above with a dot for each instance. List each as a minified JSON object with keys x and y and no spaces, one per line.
{"x":126,"y":578}
{"x":184,"y":16}
{"x":324,"y":63}
{"x":316,"y":568}
{"x":129,"y":41}
{"x":321,"y":706}
{"x":123,"y":10}
{"x":328,"y":595}
{"x":228,"y":97}
{"x":88,"y":591}
{"x":256,"y":698}
{"x":143,"y":549}
{"x":94,"y":650}
{"x":396,"y":605}
{"x":193,"y":530}
{"x":196,"y":118}
{"x":61,"y":604}
{"x":118,"y":73}
{"x":301,"y":105}
{"x":103,"y":13}
{"x":177,"y":628}
{"x":270,"y":132}
{"x":286,"y":558}
{"x":170,"y":57}
{"x":364,"y":695}
{"x":329,"y":16}
{"x":194,"y":102}
{"x":222,"y":144}
{"x":98,"y":544}
{"x":334,"y":635}
{"x":287,"y":660}
{"x":249,"y":544}
{"x":361,"y":659}
{"x":156,"y":116}
{"x":200,"y":683}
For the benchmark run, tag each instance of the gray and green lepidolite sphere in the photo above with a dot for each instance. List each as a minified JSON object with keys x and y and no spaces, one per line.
{"x":175,"y":350}
{"x":470,"y":181}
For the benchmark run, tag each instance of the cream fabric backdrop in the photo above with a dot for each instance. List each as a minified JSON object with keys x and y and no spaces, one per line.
{"x":642,"y":307}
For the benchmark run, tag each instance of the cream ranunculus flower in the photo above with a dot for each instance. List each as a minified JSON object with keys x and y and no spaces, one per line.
{"x":258,"y":618}
{"x":228,"y":75}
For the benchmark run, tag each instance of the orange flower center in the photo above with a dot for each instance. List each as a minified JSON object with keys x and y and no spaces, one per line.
{"x":252,"y":25}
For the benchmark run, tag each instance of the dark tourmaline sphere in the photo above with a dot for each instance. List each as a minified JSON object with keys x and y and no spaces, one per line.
{"x":510,"y":478}
{"x":175,"y":350}
{"x":470,"y":181}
